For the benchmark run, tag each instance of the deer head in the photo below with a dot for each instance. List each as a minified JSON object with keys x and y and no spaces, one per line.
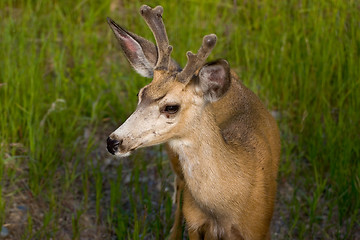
{"x":174,"y":102}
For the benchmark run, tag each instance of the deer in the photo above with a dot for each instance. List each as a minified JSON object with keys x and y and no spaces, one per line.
{"x":223,"y":144}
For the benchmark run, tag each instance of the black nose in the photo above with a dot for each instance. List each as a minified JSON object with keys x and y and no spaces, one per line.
{"x":112,"y":145}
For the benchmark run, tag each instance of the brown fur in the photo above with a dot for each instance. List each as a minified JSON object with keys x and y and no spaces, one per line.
{"x":252,"y":135}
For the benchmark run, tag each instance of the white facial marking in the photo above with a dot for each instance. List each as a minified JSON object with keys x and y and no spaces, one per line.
{"x":122,"y":154}
{"x":147,"y":126}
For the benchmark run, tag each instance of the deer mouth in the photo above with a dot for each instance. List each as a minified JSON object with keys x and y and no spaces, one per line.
{"x":122,"y":152}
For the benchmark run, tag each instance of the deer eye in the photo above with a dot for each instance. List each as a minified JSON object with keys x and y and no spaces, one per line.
{"x":171,"y":109}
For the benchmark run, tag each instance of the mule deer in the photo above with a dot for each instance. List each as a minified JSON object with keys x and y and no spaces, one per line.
{"x":223,"y":144}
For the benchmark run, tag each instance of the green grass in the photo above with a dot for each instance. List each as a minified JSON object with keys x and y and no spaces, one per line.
{"x":64,"y":87}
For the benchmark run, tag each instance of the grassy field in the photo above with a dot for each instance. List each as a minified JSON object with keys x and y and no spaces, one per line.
{"x":64,"y":86}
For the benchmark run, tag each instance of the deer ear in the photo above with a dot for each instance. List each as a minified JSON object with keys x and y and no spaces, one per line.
{"x":141,"y":53}
{"x":214,"y":80}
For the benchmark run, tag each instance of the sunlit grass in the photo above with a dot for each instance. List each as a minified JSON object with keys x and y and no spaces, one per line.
{"x":64,"y":86}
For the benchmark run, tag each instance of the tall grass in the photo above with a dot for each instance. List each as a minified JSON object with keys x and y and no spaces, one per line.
{"x":64,"y":87}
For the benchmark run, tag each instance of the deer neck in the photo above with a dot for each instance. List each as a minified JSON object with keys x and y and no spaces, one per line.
{"x":200,"y":153}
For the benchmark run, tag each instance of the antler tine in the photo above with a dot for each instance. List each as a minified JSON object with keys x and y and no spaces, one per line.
{"x":195,"y":61}
{"x":153,"y":18}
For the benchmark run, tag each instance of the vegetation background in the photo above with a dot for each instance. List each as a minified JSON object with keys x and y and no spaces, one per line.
{"x":64,"y":86}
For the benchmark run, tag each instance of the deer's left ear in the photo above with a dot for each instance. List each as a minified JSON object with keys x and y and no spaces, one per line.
{"x":214,"y":79}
